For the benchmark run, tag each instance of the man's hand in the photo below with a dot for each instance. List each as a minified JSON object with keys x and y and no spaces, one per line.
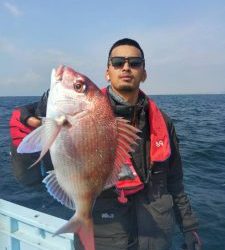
{"x":192,"y":241}
{"x":34,"y":122}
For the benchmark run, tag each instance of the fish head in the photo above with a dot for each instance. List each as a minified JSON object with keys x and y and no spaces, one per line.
{"x":71,"y":93}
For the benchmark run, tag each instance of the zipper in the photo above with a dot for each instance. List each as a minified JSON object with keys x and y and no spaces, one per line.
{"x":133,"y":120}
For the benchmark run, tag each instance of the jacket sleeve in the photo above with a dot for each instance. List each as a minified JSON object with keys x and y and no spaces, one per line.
{"x":185,"y":217}
{"x":21,"y":162}
{"x":34,"y":109}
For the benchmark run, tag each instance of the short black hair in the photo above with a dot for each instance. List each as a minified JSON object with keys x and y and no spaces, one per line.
{"x":126,"y":41}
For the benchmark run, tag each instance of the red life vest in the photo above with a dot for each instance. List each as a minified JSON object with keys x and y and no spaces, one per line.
{"x":159,"y":151}
{"x":17,"y":130}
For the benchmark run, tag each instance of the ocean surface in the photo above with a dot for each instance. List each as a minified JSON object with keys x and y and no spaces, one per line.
{"x":200,"y":125}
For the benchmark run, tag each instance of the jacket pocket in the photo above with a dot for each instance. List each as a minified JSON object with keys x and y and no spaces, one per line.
{"x":110,"y":213}
{"x":163,"y":204}
{"x":162,"y":211}
{"x":113,"y":224}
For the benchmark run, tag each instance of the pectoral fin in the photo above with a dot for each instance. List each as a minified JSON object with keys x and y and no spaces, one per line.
{"x":32,"y":142}
{"x":41,"y":138}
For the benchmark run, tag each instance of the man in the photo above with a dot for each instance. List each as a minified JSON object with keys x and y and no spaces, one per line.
{"x":139,"y":212}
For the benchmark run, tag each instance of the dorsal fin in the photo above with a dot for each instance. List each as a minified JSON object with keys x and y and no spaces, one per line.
{"x":126,"y":137}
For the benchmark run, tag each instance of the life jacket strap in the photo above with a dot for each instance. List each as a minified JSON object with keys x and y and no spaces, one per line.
{"x":128,"y":186}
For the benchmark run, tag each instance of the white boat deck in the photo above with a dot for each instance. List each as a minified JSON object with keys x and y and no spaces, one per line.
{"x":22,"y":228}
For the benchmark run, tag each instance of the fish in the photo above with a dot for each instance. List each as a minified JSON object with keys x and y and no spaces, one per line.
{"x":87,"y":143}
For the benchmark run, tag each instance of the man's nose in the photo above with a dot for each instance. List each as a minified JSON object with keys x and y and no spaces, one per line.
{"x":126,"y":65}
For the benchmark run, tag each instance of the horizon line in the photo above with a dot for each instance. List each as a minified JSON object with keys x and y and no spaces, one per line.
{"x":223,"y":93}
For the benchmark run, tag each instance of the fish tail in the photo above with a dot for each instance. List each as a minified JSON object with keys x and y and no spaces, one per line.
{"x":84,"y":229}
{"x":86,"y":235}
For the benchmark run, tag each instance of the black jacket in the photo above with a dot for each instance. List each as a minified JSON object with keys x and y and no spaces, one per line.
{"x":160,"y":178}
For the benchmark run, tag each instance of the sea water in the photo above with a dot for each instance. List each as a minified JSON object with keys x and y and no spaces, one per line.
{"x":200,"y":125}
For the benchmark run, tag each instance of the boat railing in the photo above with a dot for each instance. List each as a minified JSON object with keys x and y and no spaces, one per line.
{"x":22,"y":228}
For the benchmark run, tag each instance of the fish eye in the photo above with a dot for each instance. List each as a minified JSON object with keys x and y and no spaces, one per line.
{"x":79,"y":87}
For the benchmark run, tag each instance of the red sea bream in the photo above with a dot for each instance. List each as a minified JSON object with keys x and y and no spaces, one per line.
{"x":87,"y":143}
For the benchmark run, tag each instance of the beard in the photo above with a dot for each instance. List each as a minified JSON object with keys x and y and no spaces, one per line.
{"x":127,"y":88}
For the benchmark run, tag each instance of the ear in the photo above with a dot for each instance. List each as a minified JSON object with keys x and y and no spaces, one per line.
{"x":107,"y":76}
{"x":144,"y":76}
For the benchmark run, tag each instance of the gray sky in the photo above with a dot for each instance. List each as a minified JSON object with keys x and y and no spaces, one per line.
{"x":183,"y":41}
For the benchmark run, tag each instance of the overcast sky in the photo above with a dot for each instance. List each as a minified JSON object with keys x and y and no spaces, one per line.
{"x":183,"y":41}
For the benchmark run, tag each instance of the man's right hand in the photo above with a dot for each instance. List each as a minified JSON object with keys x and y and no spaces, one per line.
{"x":34,"y":122}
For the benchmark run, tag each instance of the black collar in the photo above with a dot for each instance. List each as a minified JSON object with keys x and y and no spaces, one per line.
{"x":125,"y":109}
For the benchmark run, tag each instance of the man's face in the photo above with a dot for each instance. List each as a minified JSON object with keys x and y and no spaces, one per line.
{"x":125,"y":78}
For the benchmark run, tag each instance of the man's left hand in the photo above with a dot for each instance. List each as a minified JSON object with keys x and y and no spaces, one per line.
{"x":192,"y":241}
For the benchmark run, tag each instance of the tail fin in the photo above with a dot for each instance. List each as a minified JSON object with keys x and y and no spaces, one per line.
{"x":84,"y":229}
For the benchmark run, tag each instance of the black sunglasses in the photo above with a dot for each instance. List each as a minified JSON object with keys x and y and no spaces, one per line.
{"x":133,"y":62}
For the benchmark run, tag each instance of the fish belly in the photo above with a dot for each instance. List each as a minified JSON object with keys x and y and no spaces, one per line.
{"x":83,"y":157}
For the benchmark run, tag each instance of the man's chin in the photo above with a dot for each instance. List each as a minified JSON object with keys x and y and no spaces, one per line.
{"x":126,"y":89}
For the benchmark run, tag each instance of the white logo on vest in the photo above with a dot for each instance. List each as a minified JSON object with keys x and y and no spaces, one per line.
{"x":107,"y":216}
{"x":159,"y":143}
